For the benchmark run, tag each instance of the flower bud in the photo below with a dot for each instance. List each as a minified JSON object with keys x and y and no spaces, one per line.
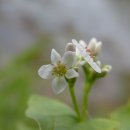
{"x":70,"y":47}
{"x":92,"y":44}
{"x":98,"y":48}
{"x":106,"y":68}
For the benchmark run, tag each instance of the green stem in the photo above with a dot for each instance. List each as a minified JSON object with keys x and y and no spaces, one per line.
{"x":86,"y":90}
{"x":71,"y":89}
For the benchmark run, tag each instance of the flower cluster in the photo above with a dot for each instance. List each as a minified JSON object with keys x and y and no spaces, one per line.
{"x":65,"y":68}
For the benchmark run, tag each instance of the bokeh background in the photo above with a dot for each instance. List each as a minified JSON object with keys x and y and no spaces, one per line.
{"x":29,"y":29}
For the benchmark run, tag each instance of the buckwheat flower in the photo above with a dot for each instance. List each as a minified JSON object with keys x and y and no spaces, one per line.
{"x":61,"y":68}
{"x":94,"y":47}
{"x":88,"y":52}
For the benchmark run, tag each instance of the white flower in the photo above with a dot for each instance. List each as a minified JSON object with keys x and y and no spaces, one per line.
{"x":94,"y":46}
{"x":88,"y":52}
{"x":61,"y":68}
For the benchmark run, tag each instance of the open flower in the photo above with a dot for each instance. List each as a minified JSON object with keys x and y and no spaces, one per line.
{"x":61,"y":68}
{"x":94,"y":47}
{"x":89,"y":52}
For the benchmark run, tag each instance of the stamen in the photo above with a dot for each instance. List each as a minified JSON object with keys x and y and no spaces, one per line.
{"x":90,"y":52}
{"x":59,"y":70}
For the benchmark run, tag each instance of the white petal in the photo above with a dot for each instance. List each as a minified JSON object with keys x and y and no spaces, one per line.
{"x":87,"y":57}
{"x":83,"y":43}
{"x":99,"y":44}
{"x":45,"y":71}
{"x":69,"y":59}
{"x":98,"y":47}
{"x":92,"y":44}
{"x":79,"y":46}
{"x":74,"y":42}
{"x":55,"y":57}
{"x":71,"y":73}
{"x":94,"y":65}
{"x":81,"y":51}
{"x":59,"y":84}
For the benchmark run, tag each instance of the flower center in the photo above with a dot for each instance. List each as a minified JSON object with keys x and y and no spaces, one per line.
{"x":90,"y":52}
{"x":59,"y":70}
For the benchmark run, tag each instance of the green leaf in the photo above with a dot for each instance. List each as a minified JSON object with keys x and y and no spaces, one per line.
{"x":122,"y":115}
{"x":96,"y":124}
{"x":22,"y":126}
{"x":54,"y":115}
{"x":50,"y":114}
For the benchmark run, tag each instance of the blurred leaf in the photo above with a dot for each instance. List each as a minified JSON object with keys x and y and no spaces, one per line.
{"x":23,"y":126}
{"x":122,"y":115}
{"x":96,"y":124}
{"x":50,"y":114}
{"x":17,"y":79}
{"x":14,"y":91}
{"x":54,"y":115}
{"x":32,"y":54}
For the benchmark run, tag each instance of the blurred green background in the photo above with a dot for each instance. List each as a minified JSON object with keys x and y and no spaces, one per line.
{"x":30,"y":29}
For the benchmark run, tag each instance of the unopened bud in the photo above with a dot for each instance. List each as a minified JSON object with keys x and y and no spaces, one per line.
{"x":92,"y":44}
{"x":70,"y":47}
{"x":107,"y":68}
{"x":98,"y":48}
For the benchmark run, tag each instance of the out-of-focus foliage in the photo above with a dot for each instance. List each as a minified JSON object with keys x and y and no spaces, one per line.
{"x":54,"y":115}
{"x":50,"y":114}
{"x":122,"y":115}
{"x":16,"y":83}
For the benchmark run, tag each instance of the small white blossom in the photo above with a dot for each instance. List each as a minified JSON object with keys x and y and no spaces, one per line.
{"x":61,"y":68}
{"x":88,"y":52}
{"x":94,"y":46}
